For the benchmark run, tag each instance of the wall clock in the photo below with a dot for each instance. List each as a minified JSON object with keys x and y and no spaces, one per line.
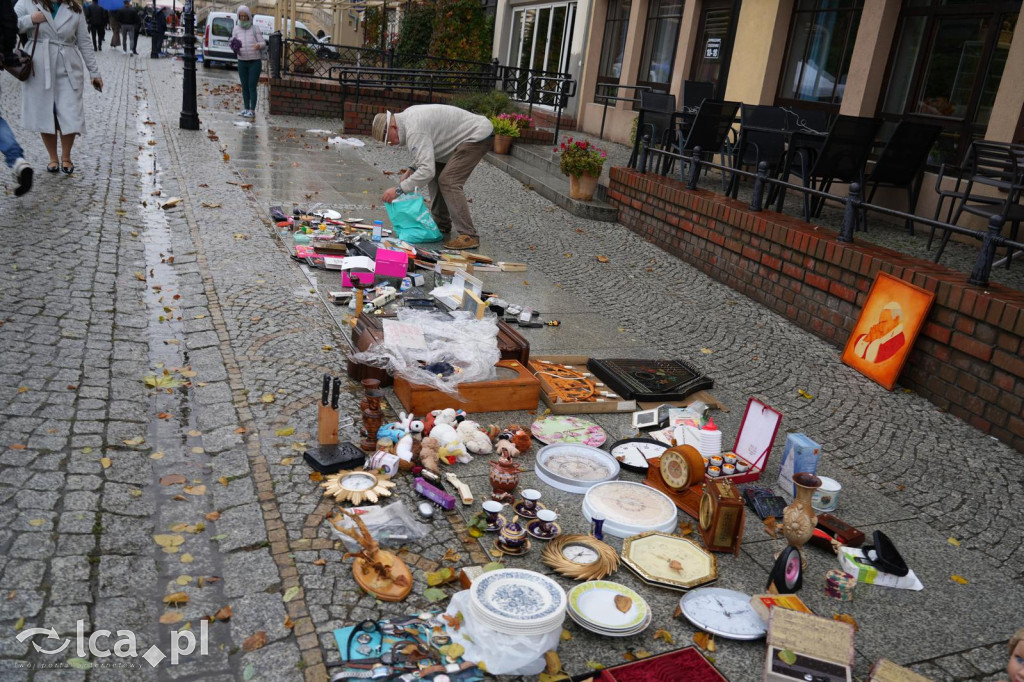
{"x":633,"y":453}
{"x":357,"y":486}
{"x":580,"y":557}
{"x":670,"y":561}
{"x":726,"y":613}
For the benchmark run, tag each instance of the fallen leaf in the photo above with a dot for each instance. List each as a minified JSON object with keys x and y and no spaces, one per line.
{"x":176,"y":598}
{"x":197,"y":450}
{"x":187,"y":558}
{"x":623,"y":603}
{"x":23,"y":389}
{"x":664,"y":635}
{"x":316,"y":476}
{"x":846,"y":618}
{"x":268,"y":397}
{"x":290,"y":594}
{"x":594,"y":665}
{"x":17,"y":446}
{"x":286,"y":431}
{"x":79,"y":664}
{"x":320,"y":562}
{"x":288,"y":623}
{"x":213,"y":516}
{"x":34,"y":523}
{"x":954,"y":542}
{"x":440,"y":577}
{"x":172,"y":479}
{"x":141,"y":276}
{"x":787,"y":656}
{"x":157,"y":455}
{"x":434,"y":595}
{"x":223,"y":614}
{"x":249,"y":672}
{"x":565,"y":636}
{"x":172,"y":617}
{"x":704,"y":641}
{"x":134,"y":441}
{"x":165,"y":540}
{"x":184,"y":580}
{"x":257,"y":641}
{"x":171,"y":203}
{"x":958,"y":579}
{"x":287,"y":461}
{"x":195,"y":489}
{"x":453,"y":650}
{"x":195,"y":434}
{"x":105,"y":462}
{"x":602,"y":259}
{"x":685,"y":528}
{"x":240,"y":429}
{"x":771,"y":526}
{"x":451,"y":555}
{"x":135,"y":492}
{"x":636,"y":654}
{"x":164,"y":415}
{"x":20,"y":623}
{"x":804,"y":394}
{"x":454,"y":622}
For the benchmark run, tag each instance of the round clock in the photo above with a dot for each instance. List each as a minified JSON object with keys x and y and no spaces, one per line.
{"x":706,"y":510}
{"x":580,"y":557}
{"x":722,"y":612}
{"x":633,"y":453}
{"x":357,"y":486}
{"x":681,"y":467}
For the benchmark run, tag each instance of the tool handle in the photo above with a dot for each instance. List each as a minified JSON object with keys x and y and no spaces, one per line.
{"x":335,"y":393}
{"x":325,"y":390}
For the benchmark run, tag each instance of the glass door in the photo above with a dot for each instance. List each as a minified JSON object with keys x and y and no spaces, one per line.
{"x":541,"y":37}
{"x":713,"y":50}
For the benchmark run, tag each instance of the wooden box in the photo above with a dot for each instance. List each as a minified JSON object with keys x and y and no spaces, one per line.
{"x":722,"y":517}
{"x":369,"y":329}
{"x":516,"y":390}
{"x":602,"y":405}
{"x":755,"y":440}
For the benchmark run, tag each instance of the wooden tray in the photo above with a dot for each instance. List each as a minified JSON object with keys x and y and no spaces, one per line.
{"x":521,"y":392}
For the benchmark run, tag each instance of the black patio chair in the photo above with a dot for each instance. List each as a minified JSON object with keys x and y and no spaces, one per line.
{"x":709,"y":130}
{"x":840,"y":156}
{"x":902,"y":161}
{"x":806,"y":120}
{"x":654,"y":119}
{"x":693,"y":95}
{"x":993,"y":187}
{"x":762,"y":138}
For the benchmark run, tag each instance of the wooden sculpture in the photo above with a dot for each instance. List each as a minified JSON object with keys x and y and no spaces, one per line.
{"x":377,"y":571}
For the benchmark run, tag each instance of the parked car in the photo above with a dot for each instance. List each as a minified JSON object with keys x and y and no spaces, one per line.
{"x":217,"y":35}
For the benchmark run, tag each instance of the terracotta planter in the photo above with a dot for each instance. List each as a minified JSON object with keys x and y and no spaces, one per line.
{"x":582,"y":187}
{"x":502,"y":143}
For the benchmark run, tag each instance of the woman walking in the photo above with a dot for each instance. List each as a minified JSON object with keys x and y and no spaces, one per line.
{"x":247,"y":42}
{"x":51,"y":98}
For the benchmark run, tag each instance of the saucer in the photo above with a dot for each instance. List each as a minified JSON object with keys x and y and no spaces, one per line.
{"x":522,"y":550}
{"x":525,"y":513}
{"x":533,"y":528}
{"x":500,"y":523}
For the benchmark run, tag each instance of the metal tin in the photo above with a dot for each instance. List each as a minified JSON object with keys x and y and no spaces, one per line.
{"x":826,"y":498}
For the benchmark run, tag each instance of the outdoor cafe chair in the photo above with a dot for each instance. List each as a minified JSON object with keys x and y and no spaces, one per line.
{"x":993,"y":187}
{"x":839,"y":156}
{"x":806,"y":120}
{"x":709,"y":130}
{"x":902,"y":161}
{"x":762,"y":138}
{"x":693,"y":95}
{"x":654,"y":119}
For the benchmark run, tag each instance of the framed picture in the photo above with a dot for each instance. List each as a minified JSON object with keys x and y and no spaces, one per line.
{"x":473,"y":304}
{"x":888,"y":325}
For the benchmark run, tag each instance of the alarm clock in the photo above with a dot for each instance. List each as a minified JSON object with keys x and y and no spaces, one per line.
{"x":722,"y":516}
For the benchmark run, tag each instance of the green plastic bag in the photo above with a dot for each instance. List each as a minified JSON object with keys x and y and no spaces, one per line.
{"x":412,"y":221}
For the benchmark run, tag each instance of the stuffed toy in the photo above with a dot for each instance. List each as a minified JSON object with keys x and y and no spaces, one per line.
{"x":506,"y":448}
{"x":454,"y":452}
{"x":395,"y":430}
{"x":520,"y":437}
{"x":428,"y":454}
{"x":476,"y":441}
{"x":444,"y":433}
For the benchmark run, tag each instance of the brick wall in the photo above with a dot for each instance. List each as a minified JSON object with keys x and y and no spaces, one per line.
{"x":968,"y":357}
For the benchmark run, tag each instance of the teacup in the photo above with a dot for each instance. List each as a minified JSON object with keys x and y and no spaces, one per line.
{"x":742,"y":466}
{"x":729,"y":457}
{"x":492,"y":509}
{"x":716,"y":461}
{"x":547,"y":518}
{"x":530,"y":499}
{"x":714,"y":472}
{"x":728,"y":469}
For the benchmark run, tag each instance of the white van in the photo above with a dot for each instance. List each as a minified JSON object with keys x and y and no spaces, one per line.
{"x":217,"y":36}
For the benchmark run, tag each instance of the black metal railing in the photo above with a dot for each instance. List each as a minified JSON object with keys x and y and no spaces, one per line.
{"x":854,"y":207}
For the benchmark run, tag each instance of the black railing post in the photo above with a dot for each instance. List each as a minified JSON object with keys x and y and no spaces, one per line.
{"x":641,"y":163}
{"x":851,"y":214}
{"x":274,"y":54}
{"x":760,"y":180}
{"x":987,"y":252}
{"x":495,"y":73}
{"x":691,"y":182}
{"x":391,"y":57}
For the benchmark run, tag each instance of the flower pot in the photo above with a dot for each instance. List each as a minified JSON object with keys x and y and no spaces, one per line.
{"x":502,"y":143}
{"x":582,"y":187}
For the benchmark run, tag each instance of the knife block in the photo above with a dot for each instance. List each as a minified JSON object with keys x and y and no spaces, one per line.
{"x":326,"y":425}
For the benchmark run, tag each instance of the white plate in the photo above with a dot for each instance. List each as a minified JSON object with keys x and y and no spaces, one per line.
{"x":610,"y":633}
{"x":594,"y":603}
{"x":514,"y":596}
{"x":574,"y":467}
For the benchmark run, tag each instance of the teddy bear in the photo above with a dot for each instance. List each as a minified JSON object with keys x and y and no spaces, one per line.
{"x":429,"y":454}
{"x":476,"y":441}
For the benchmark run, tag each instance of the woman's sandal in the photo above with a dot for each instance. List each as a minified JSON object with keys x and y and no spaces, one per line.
{"x":67,"y":167}
{"x":53,"y":168}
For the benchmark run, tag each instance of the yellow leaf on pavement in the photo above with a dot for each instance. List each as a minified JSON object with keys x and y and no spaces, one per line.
{"x":105,"y":462}
{"x":959,"y":579}
{"x":286,"y":431}
{"x":176,"y":598}
{"x":172,"y":617}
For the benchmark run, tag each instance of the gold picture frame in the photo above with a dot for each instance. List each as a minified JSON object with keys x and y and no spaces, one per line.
{"x":554,"y":556}
{"x":670,"y":561}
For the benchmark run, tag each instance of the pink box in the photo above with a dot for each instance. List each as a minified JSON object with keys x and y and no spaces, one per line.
{"x":364,"y":277}
{"x":391,"y":263}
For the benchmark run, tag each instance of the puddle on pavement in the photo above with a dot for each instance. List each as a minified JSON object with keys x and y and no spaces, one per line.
{"x":172,"y":429}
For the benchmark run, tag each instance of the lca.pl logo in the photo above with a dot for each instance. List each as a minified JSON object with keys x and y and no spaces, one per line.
{"x":183,"y":643}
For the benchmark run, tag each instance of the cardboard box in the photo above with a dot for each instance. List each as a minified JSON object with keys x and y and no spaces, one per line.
{"x":500,"y":395}
{"x":764,"y":603}
{"x":391,"y":263}
{"x":801,"y":455}
{"x":851,"y":561}
{"x":887,"y":671}
{"x":818,"y":648}
{"x":602,"y":405}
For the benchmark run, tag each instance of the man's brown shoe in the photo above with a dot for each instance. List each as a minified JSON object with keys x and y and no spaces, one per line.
{"x":462,"y":241}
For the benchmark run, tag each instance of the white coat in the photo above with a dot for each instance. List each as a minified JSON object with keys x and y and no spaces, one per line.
{"x":58,"y":78}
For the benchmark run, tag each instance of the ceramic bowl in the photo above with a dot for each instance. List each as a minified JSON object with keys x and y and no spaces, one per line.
{"x":716,"y":461}
{"x":742,"y":466}
{"x":714,"y":472}
{"x":728,"y":469}
{"x":729,"y":458}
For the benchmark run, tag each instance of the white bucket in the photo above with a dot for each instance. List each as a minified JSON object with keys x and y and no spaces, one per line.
{"x":826,"y":498}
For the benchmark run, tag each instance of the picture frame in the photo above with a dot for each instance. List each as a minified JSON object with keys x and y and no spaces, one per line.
{"x":473,"y":304}
{"x":889,"y":323}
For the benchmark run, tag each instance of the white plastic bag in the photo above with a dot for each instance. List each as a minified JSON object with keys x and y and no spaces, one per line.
{"x":501,"y":653}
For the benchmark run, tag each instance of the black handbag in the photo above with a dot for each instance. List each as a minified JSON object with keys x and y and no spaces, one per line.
{"x":21,"y":67}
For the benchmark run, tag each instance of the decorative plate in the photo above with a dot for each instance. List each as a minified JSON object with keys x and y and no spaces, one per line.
{"x":629,"y":508}
{"x":580,"y":557}
{"x":533,"y":528}
{"x":574,"y":467}
{"x":669,"y":560}
{"x":563,"y":429}
{"x":595,"y":602}
{"x":515,"y":595}
{"x":586,"y":625}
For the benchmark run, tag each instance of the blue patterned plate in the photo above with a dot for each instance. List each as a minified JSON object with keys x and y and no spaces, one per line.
{"x":515,"y":596}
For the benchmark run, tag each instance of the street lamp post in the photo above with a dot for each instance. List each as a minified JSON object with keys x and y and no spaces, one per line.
{"x":189,"y":119}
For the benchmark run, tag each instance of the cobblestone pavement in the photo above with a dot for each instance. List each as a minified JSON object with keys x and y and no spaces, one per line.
{"x":201,"y":298}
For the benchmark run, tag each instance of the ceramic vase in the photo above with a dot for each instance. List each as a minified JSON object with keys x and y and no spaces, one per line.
{"x":502,"y":144}
{"x":504,"y":479}
{"x":582,"y":187}
{"x":799,"y":519}
{"x":371,"y":413}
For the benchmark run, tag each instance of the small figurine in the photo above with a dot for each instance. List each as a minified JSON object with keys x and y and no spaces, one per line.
{"x":504,"y":447}
{"x":371,"y":413}
{"x":377,"y":571}
{"x":520,"y":437}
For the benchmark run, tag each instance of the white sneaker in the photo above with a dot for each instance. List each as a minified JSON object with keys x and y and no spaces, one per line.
{"x":250,"y":114}
{"x":23,"y":175}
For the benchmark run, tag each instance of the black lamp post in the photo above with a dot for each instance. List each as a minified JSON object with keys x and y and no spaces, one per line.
{"x":189,"y":119}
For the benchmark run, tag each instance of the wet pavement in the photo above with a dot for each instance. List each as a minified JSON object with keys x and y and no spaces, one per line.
{"x":160,"y":373}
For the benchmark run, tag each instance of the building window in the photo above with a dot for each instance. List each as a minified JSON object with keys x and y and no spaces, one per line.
{"x":540,"y":38}
{"x":661,"y":36}
{"x":821,"y":41}
{"x":945,"y":67}
{"x":613,"y":47}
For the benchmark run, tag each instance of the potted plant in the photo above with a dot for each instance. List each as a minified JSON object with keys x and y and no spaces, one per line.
{"x":302,"y":60}
{"x":504,"y":131}
{"x":582,"y":162}
{"x":522,"y":120}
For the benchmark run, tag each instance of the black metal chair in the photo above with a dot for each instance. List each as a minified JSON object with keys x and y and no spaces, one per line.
{"x":993,"y":187}
{"x":902,"y":161}
{"x":762,"y":138}
{"x":693,"y":95}
{"x":655,"y":119}
{"x":806,"y":120}
{"x":840,"y":156}
{"x":709,"y":130}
